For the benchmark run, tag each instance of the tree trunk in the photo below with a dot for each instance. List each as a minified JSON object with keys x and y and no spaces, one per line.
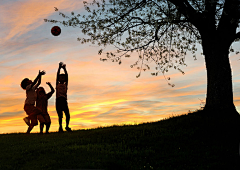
{"x":225,"y":124}
{"x":219,"y":80}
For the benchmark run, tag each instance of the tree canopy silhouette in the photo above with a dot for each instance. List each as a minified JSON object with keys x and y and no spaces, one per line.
{"x":163,"y":31}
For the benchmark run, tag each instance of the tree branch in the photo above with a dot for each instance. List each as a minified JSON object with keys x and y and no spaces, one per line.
{"x":138,"y":5}
{"x":230,"y":14}
{"x":229,"y":20}
{"x":210,"y":12}
{"x":189,"y":12}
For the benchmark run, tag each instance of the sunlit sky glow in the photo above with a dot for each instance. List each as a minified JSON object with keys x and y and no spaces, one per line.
{"x":100,"y":93}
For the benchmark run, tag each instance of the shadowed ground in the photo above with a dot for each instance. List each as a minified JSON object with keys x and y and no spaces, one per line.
{"x":193,"y":141}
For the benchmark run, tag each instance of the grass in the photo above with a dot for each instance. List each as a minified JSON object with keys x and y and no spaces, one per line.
{"x":193,"y":141}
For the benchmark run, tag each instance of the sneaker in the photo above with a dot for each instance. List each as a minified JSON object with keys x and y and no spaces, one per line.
{"x":60,"y":130}
{"x":27,"y":121}
{"x":68,"y":129}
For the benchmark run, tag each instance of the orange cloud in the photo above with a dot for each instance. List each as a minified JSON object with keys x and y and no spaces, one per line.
{"x":24,"y":16}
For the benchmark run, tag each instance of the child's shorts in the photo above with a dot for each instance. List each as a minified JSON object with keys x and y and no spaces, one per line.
{"x":32,"y":113}
{"x":44,"y":118}
{"x":62,"y":105}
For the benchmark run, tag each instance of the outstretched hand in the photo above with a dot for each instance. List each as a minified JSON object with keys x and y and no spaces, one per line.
{"x":42,"y":72}
{"x":60,"y":64}
{"x":52,"y":89}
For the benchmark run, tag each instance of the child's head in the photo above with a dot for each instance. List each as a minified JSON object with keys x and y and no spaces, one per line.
{"x":25,"y":82}
{"x":41,"y":91}
{"x":62,"y":78}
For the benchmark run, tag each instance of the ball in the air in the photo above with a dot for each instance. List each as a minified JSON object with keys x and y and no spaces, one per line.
{"x":56,"y":30}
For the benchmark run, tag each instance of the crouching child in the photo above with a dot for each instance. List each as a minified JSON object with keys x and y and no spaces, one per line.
{"x":29,"y":106}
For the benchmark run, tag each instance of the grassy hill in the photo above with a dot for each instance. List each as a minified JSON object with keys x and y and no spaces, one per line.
{"x":193,"y":141}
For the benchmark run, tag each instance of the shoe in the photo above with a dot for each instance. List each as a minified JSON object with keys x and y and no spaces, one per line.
{"x":47,"y":133}
{"x":68,"y":129}
{"x":60,"y":130}
{"x":27,"y":121}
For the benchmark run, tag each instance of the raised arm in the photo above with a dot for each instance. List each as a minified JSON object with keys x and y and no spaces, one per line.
{"x":38,"y":79}
{"x":66,"y":74}
{"x":52,"y":90}
{"x":58,"y":73}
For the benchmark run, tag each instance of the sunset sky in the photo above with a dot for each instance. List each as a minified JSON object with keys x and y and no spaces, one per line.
{"x":99,"y":93}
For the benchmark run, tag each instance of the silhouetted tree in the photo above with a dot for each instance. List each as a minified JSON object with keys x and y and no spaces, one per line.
{"x":163,"y":31}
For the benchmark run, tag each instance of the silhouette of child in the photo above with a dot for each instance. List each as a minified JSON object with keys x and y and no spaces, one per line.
{"x":61,"y":97}
{"x":31,"y":96}
{"x":42,"y":104}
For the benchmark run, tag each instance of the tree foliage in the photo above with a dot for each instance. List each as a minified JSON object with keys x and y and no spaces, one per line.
{"x":160,"y":31}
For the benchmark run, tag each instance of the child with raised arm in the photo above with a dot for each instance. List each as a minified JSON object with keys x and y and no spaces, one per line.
{"x":61,"y":97}
{"x":29,"y":106}
{"x":42,"y":104}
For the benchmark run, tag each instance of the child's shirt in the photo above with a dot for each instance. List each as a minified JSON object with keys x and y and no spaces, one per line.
{"x":31,"y":94}
{"x":42,"y":102}
{"x":61,"y":90}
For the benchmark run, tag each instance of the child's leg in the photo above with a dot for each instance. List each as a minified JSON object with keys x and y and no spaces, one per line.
{"x":67,"y":114}
{"x":60,"y":124}
{"x":29,"y":129}
{"x":47,"y":122}
{"x":67,"y":119}
{"x":60,"y":113}
{"x":32,"y":112}
{"x":60,"y":120}
{"x":47,"y":127}
{"x":27,"y":120}
{"x":42,"y":122}
{"x":41,"y":127}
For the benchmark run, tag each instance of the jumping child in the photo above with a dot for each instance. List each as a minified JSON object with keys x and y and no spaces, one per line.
{"x":31,"y":96}
{"x":61,"y":97}
{"x":42,"y":104}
